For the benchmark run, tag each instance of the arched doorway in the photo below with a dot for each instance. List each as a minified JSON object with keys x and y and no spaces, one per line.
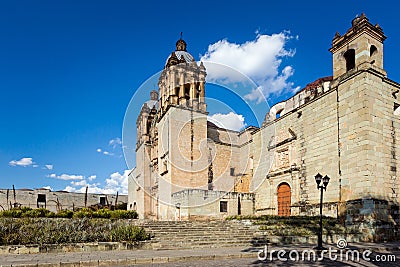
{"x":284,"y":199}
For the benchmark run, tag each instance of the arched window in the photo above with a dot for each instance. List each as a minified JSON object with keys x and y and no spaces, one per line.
{"x":350,"y":57}
{"x":284,"y":199}
{"x":278,"y":113}
{"x":372,"y":50}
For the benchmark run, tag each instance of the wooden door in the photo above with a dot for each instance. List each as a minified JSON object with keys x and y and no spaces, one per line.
{"x":284,"y":199}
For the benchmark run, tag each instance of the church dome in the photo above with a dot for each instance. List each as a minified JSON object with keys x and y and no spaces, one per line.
{"x":187,"y":57}
{"x":152,"y":104}
{"x":180,"y":55}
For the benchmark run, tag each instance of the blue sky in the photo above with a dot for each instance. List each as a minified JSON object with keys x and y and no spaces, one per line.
{"x":68,"y":70}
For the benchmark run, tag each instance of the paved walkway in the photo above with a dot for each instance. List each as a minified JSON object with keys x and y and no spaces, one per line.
{"x":132,"y":257}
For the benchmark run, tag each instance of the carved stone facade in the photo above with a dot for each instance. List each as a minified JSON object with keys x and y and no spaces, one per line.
{"x":345,"y":125}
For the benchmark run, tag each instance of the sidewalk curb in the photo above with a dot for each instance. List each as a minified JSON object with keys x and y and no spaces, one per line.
{"x":123,"y":262}
{"x":194,"y":256}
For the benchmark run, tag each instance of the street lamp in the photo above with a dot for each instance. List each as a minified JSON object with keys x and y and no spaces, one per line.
{"x":322,"y":187}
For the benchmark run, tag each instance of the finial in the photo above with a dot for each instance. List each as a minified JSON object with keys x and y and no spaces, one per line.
{"x":181,"y":44}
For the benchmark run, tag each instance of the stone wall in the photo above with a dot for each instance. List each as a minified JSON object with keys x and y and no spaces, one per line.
{"x":54,"y":200}
{"x":197,"y":204}
{"x":299,"y":144}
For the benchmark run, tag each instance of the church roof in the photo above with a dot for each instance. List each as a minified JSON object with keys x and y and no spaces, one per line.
{"x":180,"y":55}
{"x":152,"y":103}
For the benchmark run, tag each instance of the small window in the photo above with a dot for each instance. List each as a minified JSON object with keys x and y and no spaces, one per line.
{"x":223,"y":206}
{"x":103,"y":201}
{"x":350,"y":57}
{"x":41,"y":201}
{"x":187,"y":92}
{"x":372,"y":50}
{"x":396,"y":109}
{"x":41,"y":198}
{"x":278,"y":114}
{"x":232,"y":171}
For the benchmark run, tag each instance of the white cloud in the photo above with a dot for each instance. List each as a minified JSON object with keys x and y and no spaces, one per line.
{"x":115,"y":183}
{"x":92,"y":177}
{"x":69,"y":189}
{"x":48,"y":187}
{"x":108,"y":153}
{"x":230,"y":121}
{"x":24,"y":162}
{"x":118,"y":182}
{"x":260,"y":59}
{"x":66,"y":176}
{"x":49,"y":166}
{"x":115,"y":142}
{"x":79,"y":183}
{"x":104,"y":152}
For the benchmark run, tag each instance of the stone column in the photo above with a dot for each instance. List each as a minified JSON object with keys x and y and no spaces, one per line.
{"x":162,"y":99}
{"x":202,"y":93}
{"x":192,"y":93}
{"x":182,"y":100}
{"x":172,"y":83}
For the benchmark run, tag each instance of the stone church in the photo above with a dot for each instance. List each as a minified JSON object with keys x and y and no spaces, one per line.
{"x":346,"y":126}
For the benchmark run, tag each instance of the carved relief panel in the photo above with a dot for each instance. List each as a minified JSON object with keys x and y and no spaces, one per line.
{"x":281,"y":144}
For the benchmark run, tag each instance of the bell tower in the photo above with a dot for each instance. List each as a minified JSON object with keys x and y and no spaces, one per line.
{"x":360,"y":47}
{"x":182,"y":127}
{"x":181,"y":83}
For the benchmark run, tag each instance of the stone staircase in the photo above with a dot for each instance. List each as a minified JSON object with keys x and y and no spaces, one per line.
{"x":198,"y":234}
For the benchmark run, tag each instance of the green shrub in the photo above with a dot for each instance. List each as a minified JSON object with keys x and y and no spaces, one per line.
{"x":25,"y":209}
{"x":293,"y":225}
{"x":65,"y":214}
{"x":121,"y":206}
{"x":36,"y":213}
{"x":124,"y":214}
{"x":27,"y":212}
{"x":13,"y":213}
{"x":102,"y":213}
{"x":23,"y":231}
{"x":83,"y":213}
{"x":128,"y":233}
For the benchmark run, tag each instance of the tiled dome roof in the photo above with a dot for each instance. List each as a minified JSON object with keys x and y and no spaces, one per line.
{"x":180,"y":55}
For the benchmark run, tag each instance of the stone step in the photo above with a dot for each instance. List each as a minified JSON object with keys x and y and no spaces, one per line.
{"x":188,"y":240}
{"x":194,"y":226}
{"x":173,"y":232}
{"x":187,"y":236}
{"x":182,"y":235}
{"x":164,"y":231}
{"x":200,"y":238}
{"x":208,"y":227}
{"x":205,"y":245}
{"x":203,"y":228}
{"x":178,"y":235}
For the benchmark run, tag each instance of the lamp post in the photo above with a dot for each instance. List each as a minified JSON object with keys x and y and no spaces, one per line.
{"x":322,"y":187}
